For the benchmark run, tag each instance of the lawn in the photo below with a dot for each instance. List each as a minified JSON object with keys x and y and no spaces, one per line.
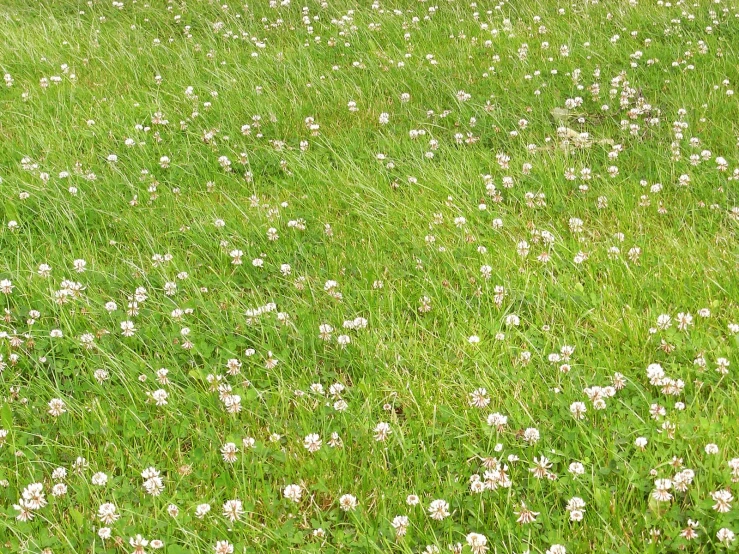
{"x":335,"y":276}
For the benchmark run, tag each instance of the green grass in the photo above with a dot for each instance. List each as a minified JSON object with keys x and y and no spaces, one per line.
{"x":83,"y":80}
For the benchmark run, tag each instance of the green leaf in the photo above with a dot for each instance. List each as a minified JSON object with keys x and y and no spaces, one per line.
{"x":6,"y":416}
{"x":601,"y":498}
{"x":77,"y":517}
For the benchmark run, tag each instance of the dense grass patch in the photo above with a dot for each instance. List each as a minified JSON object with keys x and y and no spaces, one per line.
{"x":390,"y":277}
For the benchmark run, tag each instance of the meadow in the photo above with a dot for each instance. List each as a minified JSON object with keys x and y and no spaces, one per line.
{"x":396,"y":276}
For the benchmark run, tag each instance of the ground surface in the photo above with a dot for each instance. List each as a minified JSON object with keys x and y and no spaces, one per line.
{"x":402,"y":277}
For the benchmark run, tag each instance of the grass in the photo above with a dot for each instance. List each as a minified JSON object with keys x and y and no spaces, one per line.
{"x":469,"y":90}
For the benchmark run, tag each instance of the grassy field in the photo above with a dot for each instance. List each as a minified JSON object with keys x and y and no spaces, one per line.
{"x":358,"y":277}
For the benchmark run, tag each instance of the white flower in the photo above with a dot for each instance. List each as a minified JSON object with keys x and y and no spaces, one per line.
{"x":497,"y":420}
{"x":578,"y":409}
{"x":6,"y":286}
{"x":60,"y":489}
{"x":293,"y":492}
{"x":477,"y":543}
{"x":153,"y":483}
{"x":56,"y":407}
{"x":233,"y":510}
{"x":201,"y":510}
{"x":400,"y":523}
{"x":512,"y":320}
{"x":725,"y":536}
{"x":438,"y":509}
{"x":99,"y":479}
{"x":576,"y":468}
{"x":664,"y":321}
{"x":576,"y":507}
{"x":160,"y":397}
{"x":382,"y":430}
{"x":312,"y":443}
{"x":127,"y":328}
{"x":107,"y":513}
{"x":348,"y":502}
{"x":531,"y":435}
{"x":223,"y":547}
{"x":723,"y":499}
